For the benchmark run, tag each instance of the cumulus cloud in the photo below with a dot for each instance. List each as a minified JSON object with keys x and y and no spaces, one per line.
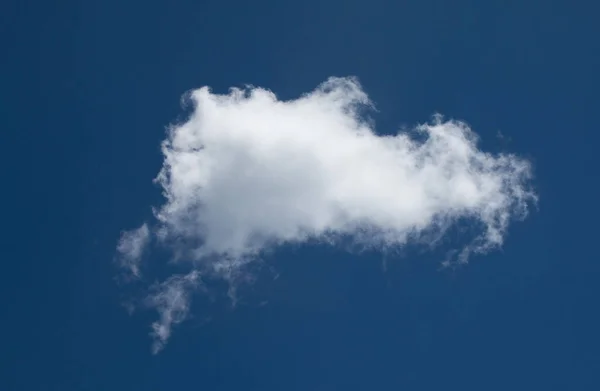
{"x":248,"y":171}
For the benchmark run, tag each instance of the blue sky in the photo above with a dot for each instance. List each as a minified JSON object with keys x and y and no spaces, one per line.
{"x":87,"y":92}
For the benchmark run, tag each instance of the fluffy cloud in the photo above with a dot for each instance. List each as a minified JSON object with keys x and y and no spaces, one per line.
{"x":247,"y":172}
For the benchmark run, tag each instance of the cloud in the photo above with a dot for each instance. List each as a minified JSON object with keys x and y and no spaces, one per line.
{"x":247,"y":172}
{"x":131,"y":248}
{"x":171,"y":300}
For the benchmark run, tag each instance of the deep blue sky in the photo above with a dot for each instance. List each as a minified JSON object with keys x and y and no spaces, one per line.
{"x":87,"y":88}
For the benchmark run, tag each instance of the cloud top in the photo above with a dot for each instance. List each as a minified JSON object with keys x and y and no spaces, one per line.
{"x":247,"y":172}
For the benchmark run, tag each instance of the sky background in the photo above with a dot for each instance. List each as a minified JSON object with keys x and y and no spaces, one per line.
{"x":87,"y":89}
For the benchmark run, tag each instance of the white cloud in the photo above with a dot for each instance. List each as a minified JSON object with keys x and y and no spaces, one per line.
{"x":248,"y":171}
{"x":131,"y":248}
{"x":171,"y":300}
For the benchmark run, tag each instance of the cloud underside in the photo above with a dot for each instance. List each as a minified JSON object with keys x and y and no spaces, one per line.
{"x":247,"y":172}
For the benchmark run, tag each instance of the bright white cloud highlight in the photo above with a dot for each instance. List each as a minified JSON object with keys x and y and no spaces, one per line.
{"x":248,"y":171}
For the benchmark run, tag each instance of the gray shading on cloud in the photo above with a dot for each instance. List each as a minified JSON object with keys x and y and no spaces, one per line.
{"x":248,"y":172}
